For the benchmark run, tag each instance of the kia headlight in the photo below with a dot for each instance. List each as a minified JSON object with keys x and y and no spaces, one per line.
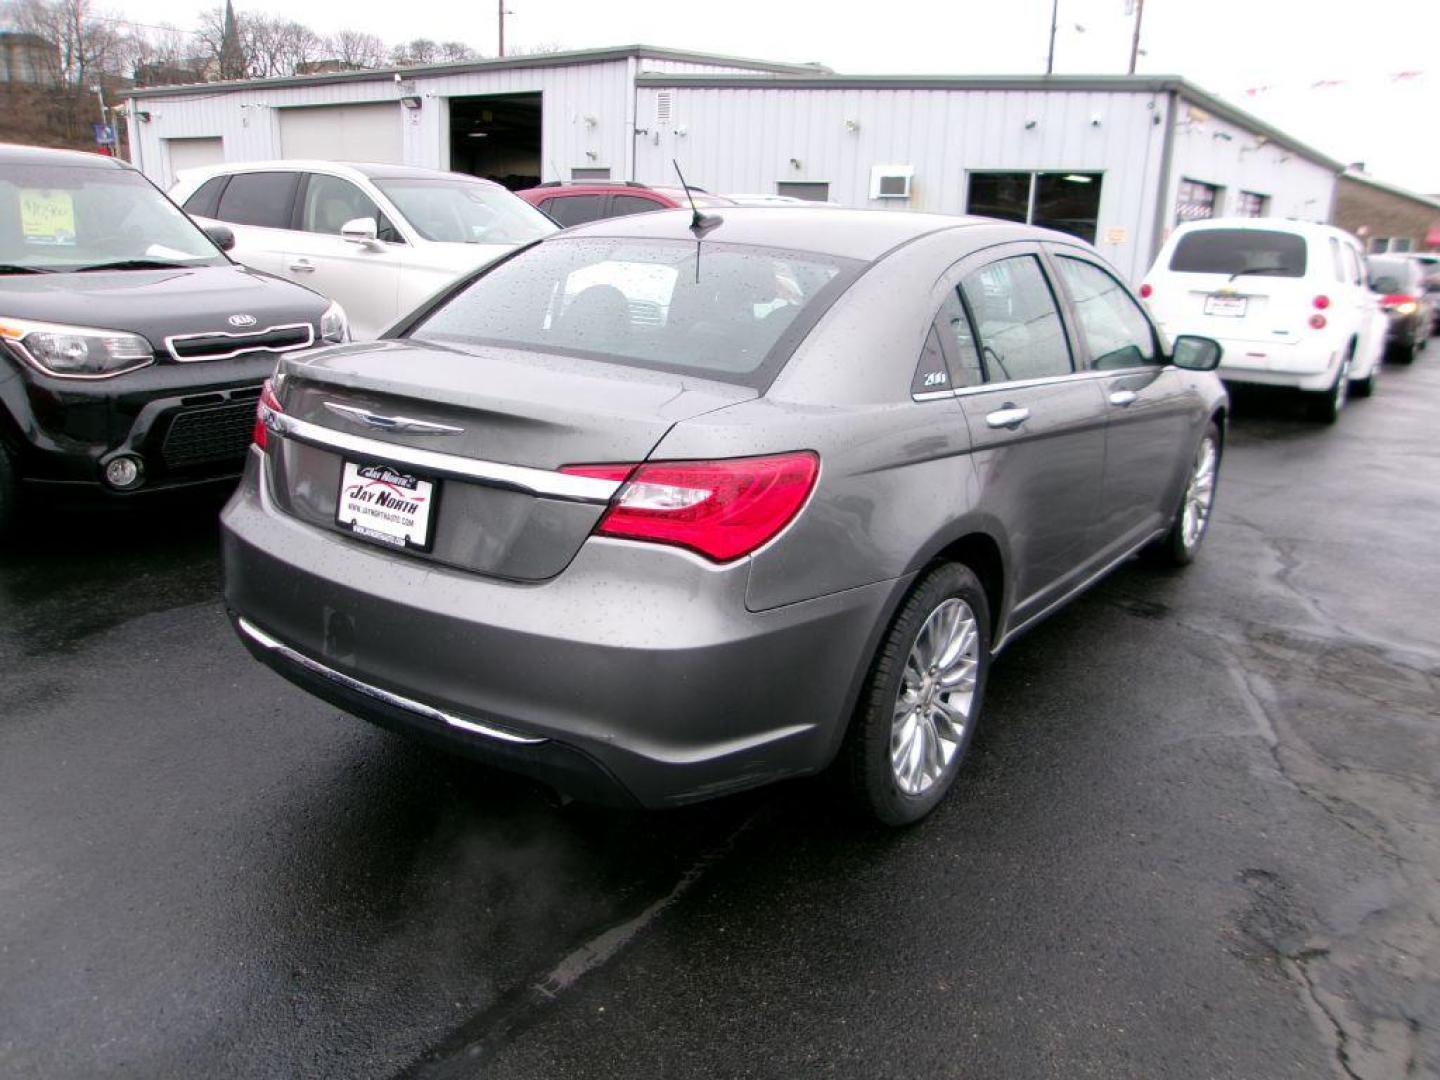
{"x":77,"y":352}
{"x":333,"y":324}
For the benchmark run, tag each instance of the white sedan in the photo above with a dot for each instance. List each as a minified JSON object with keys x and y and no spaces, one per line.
{"x":377,"y":238}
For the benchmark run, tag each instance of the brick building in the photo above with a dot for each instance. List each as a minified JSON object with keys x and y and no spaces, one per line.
{"x":1386,"y":217}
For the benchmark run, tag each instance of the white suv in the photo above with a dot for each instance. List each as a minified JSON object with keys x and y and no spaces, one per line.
{"x":1288,"y":300}
{"x":377,"y":238}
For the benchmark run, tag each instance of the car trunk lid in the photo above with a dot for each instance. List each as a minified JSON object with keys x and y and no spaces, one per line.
{"x":487,"y":428}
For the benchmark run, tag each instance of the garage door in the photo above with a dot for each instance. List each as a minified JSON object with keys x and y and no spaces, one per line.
{"x":194,"y":153}
{"x":342,"y":133}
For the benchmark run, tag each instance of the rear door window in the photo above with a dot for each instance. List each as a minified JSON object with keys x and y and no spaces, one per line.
{"x":1265,"y":252}
{"x":725,"y":311}
{"x":1017,"y":321}
{"x":266,"y":199}
{"x":570,"y":210}
{"x":623,"y":205}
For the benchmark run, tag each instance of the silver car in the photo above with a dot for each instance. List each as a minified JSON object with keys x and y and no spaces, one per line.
{"x":662,"y":507}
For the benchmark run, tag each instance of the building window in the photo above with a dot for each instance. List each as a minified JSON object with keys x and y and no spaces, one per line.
{"x":581,"y":175}
{"x":1379,"y":245}
{"x":803,"y":189}
{"x":1067,"y":201}
{"x":1196,"y":201}
{"x":1252,"y":204}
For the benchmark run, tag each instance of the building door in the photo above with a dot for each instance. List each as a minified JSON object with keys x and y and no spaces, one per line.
{"x":497,"y":136}
{"x":343,"y":133}
{"x":193,"y":154}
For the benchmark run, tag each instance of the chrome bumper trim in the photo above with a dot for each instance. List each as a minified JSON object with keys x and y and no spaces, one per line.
{"x":265,"y":641}
{"x":542,"y":482}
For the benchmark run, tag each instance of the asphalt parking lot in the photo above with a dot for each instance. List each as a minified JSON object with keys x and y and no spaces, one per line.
{"x":1199,"y":836}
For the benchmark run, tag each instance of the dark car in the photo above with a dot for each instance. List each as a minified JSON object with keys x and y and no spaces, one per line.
{"x":575,"y":204}
{"x":132,"y":349}
{"x":1409,"y":309}
{"x":656,"y":510}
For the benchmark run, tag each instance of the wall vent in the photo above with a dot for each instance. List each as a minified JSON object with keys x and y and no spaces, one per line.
{"x":662,"y":107}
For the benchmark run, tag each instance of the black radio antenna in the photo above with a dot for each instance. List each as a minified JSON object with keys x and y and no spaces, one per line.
{"x":700,"y":223}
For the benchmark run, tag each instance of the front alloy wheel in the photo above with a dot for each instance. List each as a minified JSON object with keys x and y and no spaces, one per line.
{"x":918,"y":711}
{"x":1180,"y":544}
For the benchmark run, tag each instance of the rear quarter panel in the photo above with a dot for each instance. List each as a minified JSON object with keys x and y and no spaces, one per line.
{"x":896,"y":480}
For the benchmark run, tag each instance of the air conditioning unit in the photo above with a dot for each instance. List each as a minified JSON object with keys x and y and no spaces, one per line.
{"x":891,"y":181}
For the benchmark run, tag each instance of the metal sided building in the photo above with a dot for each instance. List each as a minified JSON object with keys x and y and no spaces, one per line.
{"x":1119,"y":160}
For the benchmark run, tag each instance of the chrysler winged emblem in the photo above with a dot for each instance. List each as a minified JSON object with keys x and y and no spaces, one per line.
{"x":391,"y":423}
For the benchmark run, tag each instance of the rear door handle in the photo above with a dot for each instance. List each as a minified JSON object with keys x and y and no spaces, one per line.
{"x":1123,"y":397}
{"x":302,"y":266}
{"x":1008,"y":417}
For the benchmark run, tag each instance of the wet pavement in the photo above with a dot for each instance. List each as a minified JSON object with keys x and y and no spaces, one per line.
{"x":1197,"y":836}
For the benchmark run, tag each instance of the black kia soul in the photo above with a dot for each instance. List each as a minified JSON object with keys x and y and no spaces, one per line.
{"x":132,"y":349}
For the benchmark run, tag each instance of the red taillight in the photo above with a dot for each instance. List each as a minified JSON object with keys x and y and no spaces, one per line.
{"x":267,"y":404}
{"x":1146,"y":291}
{"x":1317,"y":321}
{"x":721,"y":509}
{"x":1321,"y":302}
{"x":1399,"y":300}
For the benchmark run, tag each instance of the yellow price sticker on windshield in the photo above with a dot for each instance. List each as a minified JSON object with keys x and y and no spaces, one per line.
{"x":47,"y":217}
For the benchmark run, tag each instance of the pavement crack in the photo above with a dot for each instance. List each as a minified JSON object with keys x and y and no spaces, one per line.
{"x":1299,"y":965}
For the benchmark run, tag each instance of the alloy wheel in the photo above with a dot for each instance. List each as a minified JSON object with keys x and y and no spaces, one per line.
{"x":936,"y":696}
{"x":1200,"y":493}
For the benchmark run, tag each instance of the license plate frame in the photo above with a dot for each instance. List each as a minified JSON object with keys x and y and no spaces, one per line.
{"x":1227,"y":307}
{"x":386,"y":505}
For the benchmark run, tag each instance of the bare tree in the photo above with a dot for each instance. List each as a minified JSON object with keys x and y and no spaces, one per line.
{"x":453,"y":52}
{"x":89,"y":45}
{"x":543,"y":48}
{"x":414,"y":53}
{"x":269,"y":45}
{"x":353,"y":48}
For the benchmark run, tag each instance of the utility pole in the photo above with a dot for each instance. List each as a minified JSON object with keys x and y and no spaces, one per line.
{"x":1135,"y":41}
{"x":1054,"y":22}
{"x":502,"y":27}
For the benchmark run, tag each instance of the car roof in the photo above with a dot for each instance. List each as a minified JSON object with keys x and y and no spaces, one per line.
{"x":373,"y":170}
{"x":845,"y":233}
{"x":16,"y":154}
{"x":1310,"y":229}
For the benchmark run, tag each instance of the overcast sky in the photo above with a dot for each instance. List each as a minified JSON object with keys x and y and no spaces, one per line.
{"x":1378,"y":63}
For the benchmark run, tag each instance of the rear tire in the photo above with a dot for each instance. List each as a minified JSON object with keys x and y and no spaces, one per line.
{"x":1403,"y":353}
{"x":1325,"y":406}
{"x":1362,"y":388}
{"x":903,"y":751}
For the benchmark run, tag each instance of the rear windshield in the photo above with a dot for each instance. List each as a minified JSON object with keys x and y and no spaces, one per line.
{"x":1240,"y":251}
{"x":723,"y":311}
{"x":1394,"y":275}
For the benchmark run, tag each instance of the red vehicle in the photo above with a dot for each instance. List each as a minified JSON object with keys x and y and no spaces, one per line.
{"x":575,"y":204}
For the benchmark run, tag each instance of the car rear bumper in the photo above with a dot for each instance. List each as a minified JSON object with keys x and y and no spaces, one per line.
{"x":636,"y":675}
{"x":1302,"y":366}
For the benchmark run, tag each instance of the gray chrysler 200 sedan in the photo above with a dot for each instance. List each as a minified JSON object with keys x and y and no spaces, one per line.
{"x":660,"y":508}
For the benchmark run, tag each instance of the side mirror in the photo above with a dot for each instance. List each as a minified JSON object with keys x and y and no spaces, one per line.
{"x":222,"y":236}
{"x":360,"y":230}
{"x":1195,"y":353}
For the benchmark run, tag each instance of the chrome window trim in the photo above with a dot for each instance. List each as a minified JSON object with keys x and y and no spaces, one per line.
{"x":1025,"y":384}
{"x":270,"y":644}
{"x":307,"y":327}
{"x":541,"y":482}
